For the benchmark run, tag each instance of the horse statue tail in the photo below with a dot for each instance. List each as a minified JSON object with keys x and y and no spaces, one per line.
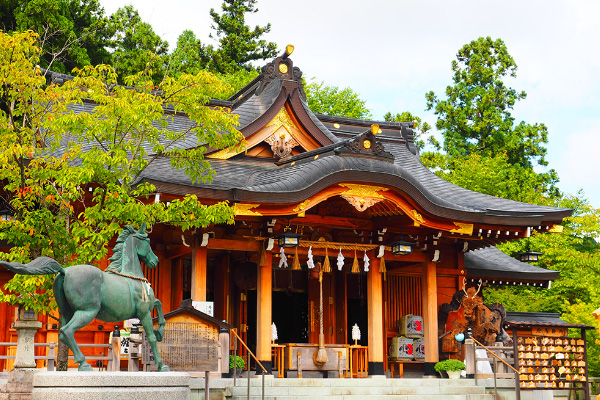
{"x":39,"y":266}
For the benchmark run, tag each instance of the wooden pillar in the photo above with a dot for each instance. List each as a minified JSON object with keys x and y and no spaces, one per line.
{"x":375,"y":309}
{"x":221,"y":286}
{"x":165,"y":288}
{"x":263,"y":313}
{"x":199,"y":273}
{"x":430,"y":322}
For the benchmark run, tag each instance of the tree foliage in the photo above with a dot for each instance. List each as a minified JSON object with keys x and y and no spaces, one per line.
{"x":476,"y":115}
{"x":332,"y":100}
{"x":72,"y":32}
{"x":74,"y":178}
{"x":134,"y":45}
{"x":239,"y":45}
{"x":420,"y":130}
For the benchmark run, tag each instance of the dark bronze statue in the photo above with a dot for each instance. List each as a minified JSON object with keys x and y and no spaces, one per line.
{"x":84,"y":292}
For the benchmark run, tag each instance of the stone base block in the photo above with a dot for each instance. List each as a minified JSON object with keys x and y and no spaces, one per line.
{"x":19,"y":384}
{"x":71,"y":385}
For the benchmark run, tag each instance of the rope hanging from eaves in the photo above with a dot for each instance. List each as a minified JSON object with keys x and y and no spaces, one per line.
{"x":343,"y":246}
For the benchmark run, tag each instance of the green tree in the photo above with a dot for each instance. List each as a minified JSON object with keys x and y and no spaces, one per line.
{"x":576,"y":254}
{"x":494,"y":175}
{"x":190,"y":55}
{"x":332,"y":100}
{"x":73,"y":179}
{"x":239,"y":45}
{"x":421,"y":128}
{"x":134,"y":45}
{"x":72,"y":32}
{"x":476,"y":115}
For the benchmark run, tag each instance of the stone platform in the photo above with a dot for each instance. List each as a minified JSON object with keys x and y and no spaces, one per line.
{"x":73,"y":385}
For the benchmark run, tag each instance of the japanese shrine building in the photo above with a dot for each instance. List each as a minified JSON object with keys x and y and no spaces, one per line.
{"x":346,"y":186}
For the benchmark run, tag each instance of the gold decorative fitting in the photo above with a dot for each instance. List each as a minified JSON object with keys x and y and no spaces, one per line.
{"x":283,"y":119}
{"x":379,"y":131}
{"x":283,"y":68}
{"x":317,"y":156}
{"x":556,"y":229}
{"x":223,"y":154}
{"x":293,"y":163}
{"x":362,"y":197}
{"x":417,"y":217}
{"x":336,"y":125}
{"x":282,"y":143}
{"x":466,"y":229}
{"x":289,"y":49}
{"x":374,"y":129}
{"x":367,"y":144}
{"x":246,"y":209}
{"x":301,"y":206}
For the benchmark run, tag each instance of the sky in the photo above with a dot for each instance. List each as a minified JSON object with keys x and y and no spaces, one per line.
{"x":392,"y":52}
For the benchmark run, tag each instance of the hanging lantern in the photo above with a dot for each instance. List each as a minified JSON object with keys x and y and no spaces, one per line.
{"x":288,"y":238}
{"x":529,"y":256}
{"x":6,"y":215}
{"x":402,"y":247}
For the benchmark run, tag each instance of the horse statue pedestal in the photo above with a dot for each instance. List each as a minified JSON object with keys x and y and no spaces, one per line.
{"x":94,"y":385}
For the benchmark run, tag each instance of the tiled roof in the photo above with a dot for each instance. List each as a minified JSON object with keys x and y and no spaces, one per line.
{"x":489,"y":262}
{"x":542,"y":319}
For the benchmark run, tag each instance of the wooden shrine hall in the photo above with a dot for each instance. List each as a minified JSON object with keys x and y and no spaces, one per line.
{"x":337,"y":221}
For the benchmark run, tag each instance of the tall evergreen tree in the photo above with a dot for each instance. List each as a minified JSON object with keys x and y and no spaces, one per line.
{"x":476,"y":116}
{"x":238,"y":43}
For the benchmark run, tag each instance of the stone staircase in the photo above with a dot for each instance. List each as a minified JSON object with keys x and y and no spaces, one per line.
{"x":360,"y":389}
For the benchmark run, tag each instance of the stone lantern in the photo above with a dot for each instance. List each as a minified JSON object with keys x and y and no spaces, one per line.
{"x":26,"y":327}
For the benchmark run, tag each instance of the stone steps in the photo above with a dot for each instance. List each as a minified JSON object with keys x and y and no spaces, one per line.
{"x":360,"y":389}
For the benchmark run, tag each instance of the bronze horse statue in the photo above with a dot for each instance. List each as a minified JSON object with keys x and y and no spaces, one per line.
{"x":84,"y":292}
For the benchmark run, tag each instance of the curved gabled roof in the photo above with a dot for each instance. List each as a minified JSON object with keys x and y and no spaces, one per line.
{"x":390,"y":159}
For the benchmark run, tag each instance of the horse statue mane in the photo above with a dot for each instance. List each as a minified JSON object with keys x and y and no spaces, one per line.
{"x":116,"y":260}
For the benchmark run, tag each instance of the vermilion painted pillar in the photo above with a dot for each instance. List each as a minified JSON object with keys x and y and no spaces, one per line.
{"x":199,"y":273}
{"x":430,"y":323}
{"x":375,"y":309}
{"x":264,"y":314}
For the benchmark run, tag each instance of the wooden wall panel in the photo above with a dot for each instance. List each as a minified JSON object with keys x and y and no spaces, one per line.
{"x":447,"y":286}
{"x":402,"y":296}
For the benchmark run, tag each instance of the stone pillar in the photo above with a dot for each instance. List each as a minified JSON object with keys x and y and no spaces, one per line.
{"x":199,"y":273}
{"x":264,"y":314}
{"x":430,"y":322}
{"x":375,"y":310}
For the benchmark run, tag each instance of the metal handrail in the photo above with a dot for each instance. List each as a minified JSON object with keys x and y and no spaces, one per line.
{"x":494,"y":354}
{"x":495,"y":366}
{"x":248,"y":364}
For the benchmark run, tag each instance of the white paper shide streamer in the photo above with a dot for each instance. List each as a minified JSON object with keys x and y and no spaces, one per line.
{"x":273,"y":332}
{"x":355,"y":332}
{"x":340,"y":260}
{"x":367,"y":263}
{"x":310,"y":262}
{"x":282,"y":259}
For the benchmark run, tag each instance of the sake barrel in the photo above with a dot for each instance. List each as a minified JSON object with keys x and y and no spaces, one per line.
{"x":419,"y":345}
{"x":411,"y":326}
{"x":401,"y":349}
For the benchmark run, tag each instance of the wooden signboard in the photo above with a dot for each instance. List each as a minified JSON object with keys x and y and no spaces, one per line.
{"x":190,"y":346}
